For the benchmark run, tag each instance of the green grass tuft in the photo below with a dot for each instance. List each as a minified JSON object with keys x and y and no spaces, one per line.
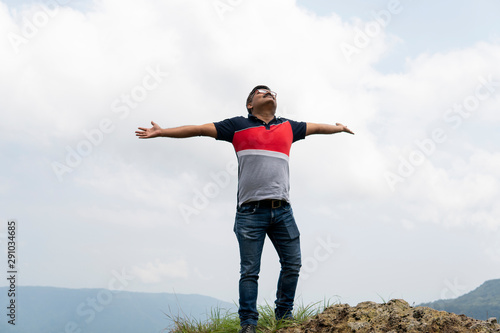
{"x":223,"y":321}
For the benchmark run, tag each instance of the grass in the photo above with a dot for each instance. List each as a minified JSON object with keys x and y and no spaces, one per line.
{"x":222,"y":321}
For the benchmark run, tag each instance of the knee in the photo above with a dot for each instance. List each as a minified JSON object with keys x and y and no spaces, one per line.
{"x":291,"y":266}
{"x":249,"y":270}
{"x":292,"y":262}
{"x":249,"y":277}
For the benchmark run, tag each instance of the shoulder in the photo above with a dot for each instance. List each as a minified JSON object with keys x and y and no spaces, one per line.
{"x":227,"y":127}
{"x":236,"y":119}
{"x":292,"y":122}
{"x":228,"y":121}
{"x":298,"y":128}
{"x":283,"y":120}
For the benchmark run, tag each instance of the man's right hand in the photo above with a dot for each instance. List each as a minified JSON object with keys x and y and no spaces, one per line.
{"x":147,"y":133}
{"x":177,"y":132}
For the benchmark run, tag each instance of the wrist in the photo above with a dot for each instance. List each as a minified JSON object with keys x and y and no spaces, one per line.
{"x":161,"y":132}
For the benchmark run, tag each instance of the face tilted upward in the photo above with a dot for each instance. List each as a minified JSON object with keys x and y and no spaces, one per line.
{"x":262,"y":97}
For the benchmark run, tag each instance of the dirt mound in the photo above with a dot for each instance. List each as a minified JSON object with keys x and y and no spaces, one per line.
{"x":392,"y":317}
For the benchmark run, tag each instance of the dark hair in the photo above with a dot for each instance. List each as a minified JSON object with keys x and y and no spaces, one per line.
{"x":250,"y":96}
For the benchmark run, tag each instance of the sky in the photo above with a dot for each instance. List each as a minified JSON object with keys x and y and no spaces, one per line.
{"x":408,"y":207}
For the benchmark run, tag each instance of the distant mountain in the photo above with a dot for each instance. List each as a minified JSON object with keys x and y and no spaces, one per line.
{"x":60,"y":310}
{"x":481,"y":303}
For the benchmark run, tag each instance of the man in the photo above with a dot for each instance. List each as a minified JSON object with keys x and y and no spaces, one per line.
{"x":262,"y":143}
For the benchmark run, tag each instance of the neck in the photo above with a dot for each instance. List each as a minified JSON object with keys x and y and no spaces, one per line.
{"x":266,"y":115}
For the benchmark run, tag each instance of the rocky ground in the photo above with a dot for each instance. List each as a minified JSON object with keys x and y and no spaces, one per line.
{"x":392,"y":317}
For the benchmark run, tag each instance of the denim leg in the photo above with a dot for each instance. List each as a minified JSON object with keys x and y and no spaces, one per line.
{"x":250,"y":229}
{"x":285,"y":237}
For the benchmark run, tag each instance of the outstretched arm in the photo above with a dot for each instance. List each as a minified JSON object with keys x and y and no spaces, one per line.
{"x":313,"y":128}
{"x":177,"y":132}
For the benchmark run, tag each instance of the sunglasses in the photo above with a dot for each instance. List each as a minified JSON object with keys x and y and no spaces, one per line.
{"x":265,"y":91}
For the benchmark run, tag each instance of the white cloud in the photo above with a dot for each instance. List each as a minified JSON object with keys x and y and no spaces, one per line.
{"x":157,"y":271}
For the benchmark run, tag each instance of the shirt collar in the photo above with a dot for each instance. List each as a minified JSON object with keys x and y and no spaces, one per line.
{"x":251,"y":116}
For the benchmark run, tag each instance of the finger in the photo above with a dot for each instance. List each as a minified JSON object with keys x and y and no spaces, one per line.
{"x":142,"y":128}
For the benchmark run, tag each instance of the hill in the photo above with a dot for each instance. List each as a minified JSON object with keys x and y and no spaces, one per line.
{"x":393,"y":316}
{"x":481,"y":303}
{"x":60,"y":310}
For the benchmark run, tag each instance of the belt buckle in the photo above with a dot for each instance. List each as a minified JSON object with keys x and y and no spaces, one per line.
{"x":278,"y":204}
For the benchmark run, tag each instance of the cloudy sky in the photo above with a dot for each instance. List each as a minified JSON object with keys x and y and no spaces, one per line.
{"x":408,"y":208}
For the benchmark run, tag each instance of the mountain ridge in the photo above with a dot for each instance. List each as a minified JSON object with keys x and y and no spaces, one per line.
{"x":93,"y":310}
{"x":480,"y":303}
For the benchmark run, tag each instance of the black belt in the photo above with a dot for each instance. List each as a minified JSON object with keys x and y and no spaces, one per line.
{"x":268,"y":203}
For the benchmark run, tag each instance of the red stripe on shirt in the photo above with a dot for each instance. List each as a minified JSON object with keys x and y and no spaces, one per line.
{"x":278,"y":138}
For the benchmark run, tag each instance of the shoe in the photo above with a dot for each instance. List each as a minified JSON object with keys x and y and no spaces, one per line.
{"x":248,"y":329}
{"x":286,"y":317}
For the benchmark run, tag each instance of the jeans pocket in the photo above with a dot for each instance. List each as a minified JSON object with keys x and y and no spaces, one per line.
{"x":247,"y":209}
{"x":287,"y":207}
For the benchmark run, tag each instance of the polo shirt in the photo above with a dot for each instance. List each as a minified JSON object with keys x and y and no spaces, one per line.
{"x":263,"y":152}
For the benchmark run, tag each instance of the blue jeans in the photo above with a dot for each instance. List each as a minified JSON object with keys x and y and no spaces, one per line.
{"x":252,"y":223}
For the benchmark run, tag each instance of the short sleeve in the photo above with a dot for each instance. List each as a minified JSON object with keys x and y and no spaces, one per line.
{"x":298,"y":129}
{"x":225,"y":130}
